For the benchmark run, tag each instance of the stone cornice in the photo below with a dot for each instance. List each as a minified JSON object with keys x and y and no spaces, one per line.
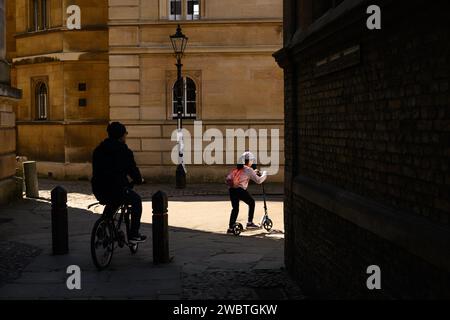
{"x":329,"y":18}
{"x":59,"y":29}
{"x":203,"y":23}
{"x":231,"y":122}
{"x":283,"y":58}
{"x":10,"y":92}
{"x":60,"y":56}
{"x":196,"y":49}
{"x":59,"y":122}
{"x":330,"y":25}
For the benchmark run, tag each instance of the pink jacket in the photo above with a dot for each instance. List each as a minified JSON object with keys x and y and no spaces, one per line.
{"x":245,"y":175}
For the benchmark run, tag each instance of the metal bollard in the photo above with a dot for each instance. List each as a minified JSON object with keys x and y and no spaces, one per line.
{"x":31,"y":180}
{"x":160,"y":225}
{"x":180,"y":177}
{"x":60,"y":232}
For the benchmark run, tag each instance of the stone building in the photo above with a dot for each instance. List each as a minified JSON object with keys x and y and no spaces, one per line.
{"x":8,"y":98}
{"x":367,"y":147}
{"x":230,"y":78}
{"x":64,"y":78}
{"x":120,"y":67}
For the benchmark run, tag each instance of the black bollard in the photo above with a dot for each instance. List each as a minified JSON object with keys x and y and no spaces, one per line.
{"x":180,"y":177}
{"x":60,"y":232}
{"x":160,"y":228}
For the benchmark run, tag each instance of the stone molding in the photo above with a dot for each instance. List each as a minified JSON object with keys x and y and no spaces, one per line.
{"x":10,"y":92}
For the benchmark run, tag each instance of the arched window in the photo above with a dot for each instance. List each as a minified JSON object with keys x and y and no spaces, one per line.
{"x":41,"y":101}
{"x":189,"y":98}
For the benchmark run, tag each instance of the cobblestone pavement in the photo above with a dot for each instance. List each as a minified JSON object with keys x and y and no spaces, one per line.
{"x":272,"y":284}
{"x":14,"y":257}
{"x":208,"y":264}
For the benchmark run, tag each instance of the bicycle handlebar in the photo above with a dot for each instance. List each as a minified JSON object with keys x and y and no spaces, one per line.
{"x":130,"y":185}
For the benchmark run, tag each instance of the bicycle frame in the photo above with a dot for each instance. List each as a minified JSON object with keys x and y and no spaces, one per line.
{"x":121,"y":215}
{"x":117,"y":238}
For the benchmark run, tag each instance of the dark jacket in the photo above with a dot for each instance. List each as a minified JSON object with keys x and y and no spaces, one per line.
{"x":112,"y":164}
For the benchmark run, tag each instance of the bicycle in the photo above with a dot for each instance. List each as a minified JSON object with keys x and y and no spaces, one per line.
{"x":107,"y":233}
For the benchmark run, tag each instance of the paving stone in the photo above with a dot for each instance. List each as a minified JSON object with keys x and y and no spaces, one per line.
{"x":233,"y":285}
{"x":207,"y":263}
{"x":14,"y":257}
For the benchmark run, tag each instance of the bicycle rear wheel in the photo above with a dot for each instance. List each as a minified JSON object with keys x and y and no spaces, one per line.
{"x":102,"y":243}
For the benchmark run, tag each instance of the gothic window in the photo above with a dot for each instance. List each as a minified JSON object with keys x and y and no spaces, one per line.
{"x":41,"y":101}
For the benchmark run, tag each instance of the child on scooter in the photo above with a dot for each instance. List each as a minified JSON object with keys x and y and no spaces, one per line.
{"x":237,"y":180}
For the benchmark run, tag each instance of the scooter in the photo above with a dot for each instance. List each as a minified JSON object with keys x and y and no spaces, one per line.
{"x":266,"y":222}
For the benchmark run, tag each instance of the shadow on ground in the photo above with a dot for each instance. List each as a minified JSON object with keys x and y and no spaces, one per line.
{"x":146,"y":190}
{"x":206,"y":265}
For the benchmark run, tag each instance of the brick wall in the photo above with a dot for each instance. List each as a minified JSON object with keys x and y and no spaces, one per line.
{"x":381,"y":129}
{"x":377,"y":127}
{"x":333,"y":255}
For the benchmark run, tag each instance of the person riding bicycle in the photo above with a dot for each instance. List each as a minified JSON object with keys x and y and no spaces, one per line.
{"x":237,"y":181}
{"x":112,"y":163}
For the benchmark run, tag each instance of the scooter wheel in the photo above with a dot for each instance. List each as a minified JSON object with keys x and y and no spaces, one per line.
{"x":237,"y":229}
{"x":268,"y":224}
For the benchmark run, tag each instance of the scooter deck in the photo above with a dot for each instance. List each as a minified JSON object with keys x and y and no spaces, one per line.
{"x":242,"y":229}
{"x":251,"y":229}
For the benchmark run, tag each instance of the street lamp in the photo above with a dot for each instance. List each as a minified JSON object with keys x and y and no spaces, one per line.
{"x":179,"y":42}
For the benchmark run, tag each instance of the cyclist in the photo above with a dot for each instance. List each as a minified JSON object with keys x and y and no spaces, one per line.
{"x":237,"y":180}
{"x":112,"y":164}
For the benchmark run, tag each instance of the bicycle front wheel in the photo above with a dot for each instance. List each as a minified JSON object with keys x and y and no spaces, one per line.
{"x":102,"y":243}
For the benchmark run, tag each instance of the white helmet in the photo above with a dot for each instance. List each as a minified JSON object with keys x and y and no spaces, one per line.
{"x":247,"y":156}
